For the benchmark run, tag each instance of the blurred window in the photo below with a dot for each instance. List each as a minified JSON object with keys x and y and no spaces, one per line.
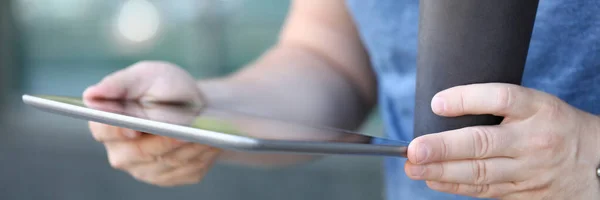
{"x":8,"y":50}
{"x":69,"y":44}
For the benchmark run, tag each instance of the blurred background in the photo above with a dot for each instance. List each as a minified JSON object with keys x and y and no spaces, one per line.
{"x":62,"y":46}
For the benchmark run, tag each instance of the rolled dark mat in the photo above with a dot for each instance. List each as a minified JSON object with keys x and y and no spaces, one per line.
{"x":465,"y":42}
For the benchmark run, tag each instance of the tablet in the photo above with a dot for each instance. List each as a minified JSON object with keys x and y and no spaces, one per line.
{"x":219,"y":128}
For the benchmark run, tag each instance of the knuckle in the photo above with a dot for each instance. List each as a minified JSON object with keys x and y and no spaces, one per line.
{"x":482,"y":190}
{"x":148,"y":178}
{"x":172,"y":160}
{"x":552,"y":108}
{"x":141,"y":176}
{"x":490,"y":192}
{"x":123,"y":156}
{"x":535,"y":184}
{"x":166,"y":144}
{"x":445,"y":149}
{"x":117,"y":163}
{"x":483,"y":142}
{"x":139,"y":152}
{"x":506,"y":96}
{"x":546,"y":141}
{"x":462,"y":93}
{"x":479,"y":172}
{"x":154,"y":179}
{"x":104,"y":133}
{"x":522,"y":186}
{"x":440,"y":168}
{"x":97,"y":131}
{"x":455,"y":188}
{"x":544,"y":182}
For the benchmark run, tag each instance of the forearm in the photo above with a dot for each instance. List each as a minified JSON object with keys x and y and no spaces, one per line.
{"x":318,"y":74}
{"x":294,"y":84}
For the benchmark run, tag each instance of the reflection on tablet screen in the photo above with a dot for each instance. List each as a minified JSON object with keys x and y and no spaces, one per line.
{"x":227,"y":122}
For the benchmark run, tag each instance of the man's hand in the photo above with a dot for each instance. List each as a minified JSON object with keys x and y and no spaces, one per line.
{"x":150,"y":158}
{"x":544,"y":148}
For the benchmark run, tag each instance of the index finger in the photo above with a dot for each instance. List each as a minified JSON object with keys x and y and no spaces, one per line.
{"x":107,"y":133}
{"x":488,"y":98}
{"x":118,"y":85}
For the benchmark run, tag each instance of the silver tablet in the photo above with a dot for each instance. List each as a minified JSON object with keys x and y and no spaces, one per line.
{"x":219,"y":128}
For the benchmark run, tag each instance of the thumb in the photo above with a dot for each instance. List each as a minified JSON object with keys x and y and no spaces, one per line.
{"x":123,"y":84}
{"x":147,"y":81}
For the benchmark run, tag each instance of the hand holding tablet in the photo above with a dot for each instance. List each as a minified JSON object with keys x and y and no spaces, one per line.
{"x":155,"y":125}
{"x":219,"y":128}
{"x":172,"y":106}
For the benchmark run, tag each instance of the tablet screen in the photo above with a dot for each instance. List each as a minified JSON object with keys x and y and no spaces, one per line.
{"x":226,"y":122}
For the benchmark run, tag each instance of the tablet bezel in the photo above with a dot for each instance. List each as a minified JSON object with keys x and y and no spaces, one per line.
{"x":212,"y":138}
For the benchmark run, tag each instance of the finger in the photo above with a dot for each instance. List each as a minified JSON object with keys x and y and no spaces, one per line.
{"x":108,"y":106}
{"x":476,"y":172}
{"x":156,"y":145}
{"x":181,"y":114}
{"x":163,"y":82}
{"x":107,"y":133}
{"x":157,"y":173}
{"x":489,"y":98}
{"x":479,"y":191}
{"x":190,"y":173}
{"x":120,"y":85}
{"x":184,"y":154}
{"x":147,"y":148}
{"x":467,"y":143}
{"x":148,"y":171}
{"x":124,"y":155}
{"x":147,"y":81}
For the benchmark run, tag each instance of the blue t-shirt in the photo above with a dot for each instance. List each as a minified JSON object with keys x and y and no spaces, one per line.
{"x":564,"y":60}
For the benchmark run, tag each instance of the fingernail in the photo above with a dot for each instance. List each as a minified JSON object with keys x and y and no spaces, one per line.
{"x":422,"y":153}
{"x":438,"y":105}
{"x":131,"y":133}
{"x":416,"y":170}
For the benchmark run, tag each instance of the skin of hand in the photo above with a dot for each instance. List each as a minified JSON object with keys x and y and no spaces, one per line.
{"x":543,"y":149}
{"x":150,"y":158}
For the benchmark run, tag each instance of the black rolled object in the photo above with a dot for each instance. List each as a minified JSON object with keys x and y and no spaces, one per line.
{"x":464,"y":42}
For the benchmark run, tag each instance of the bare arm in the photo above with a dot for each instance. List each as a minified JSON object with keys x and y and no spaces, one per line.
{"x":318,"y":72}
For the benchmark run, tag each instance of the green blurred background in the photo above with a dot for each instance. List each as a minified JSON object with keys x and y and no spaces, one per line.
{"x":62,"y":46}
